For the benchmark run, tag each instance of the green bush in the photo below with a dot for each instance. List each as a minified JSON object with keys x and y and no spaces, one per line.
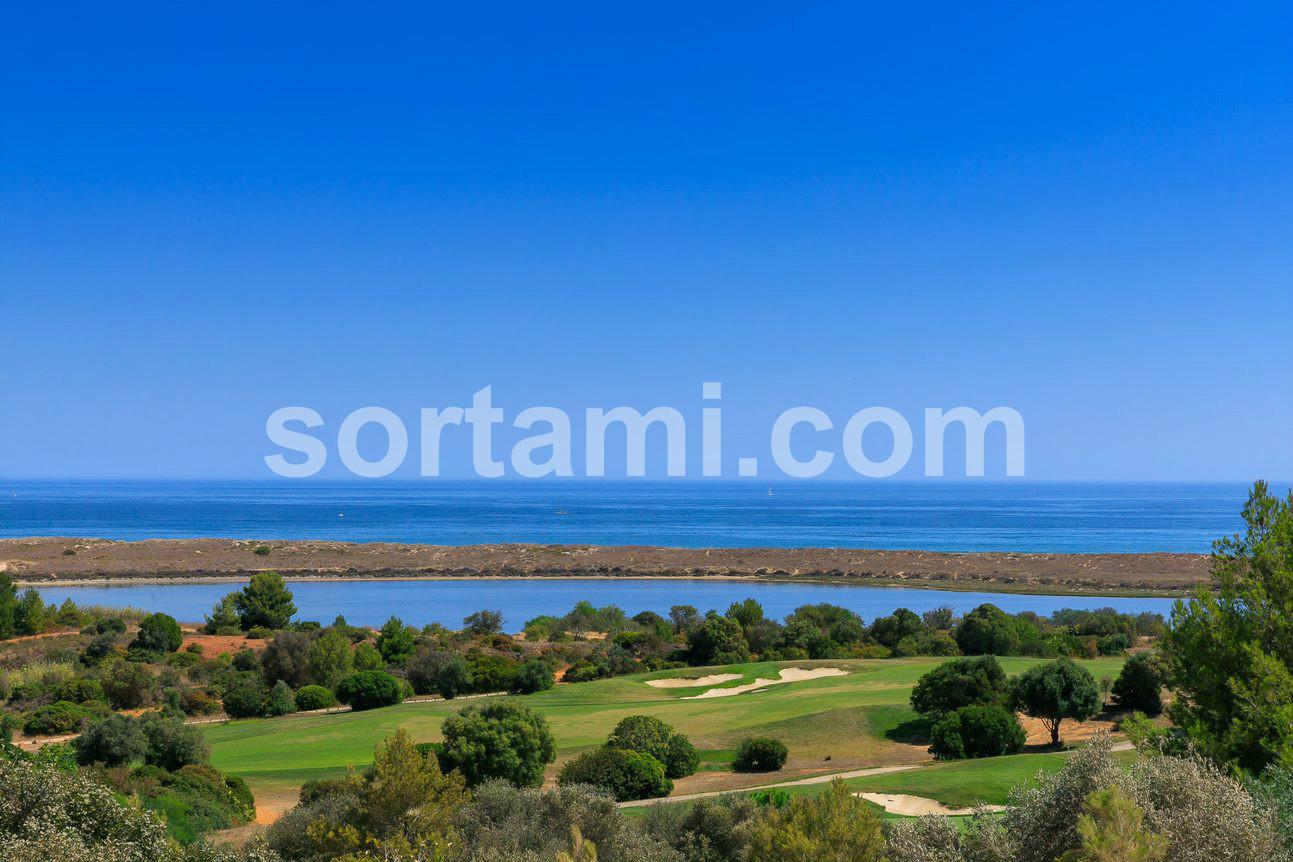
{"x":310,"y":697}
{"x":79,"y":690}
{"x":646,"y":734}
{"x":760,"y":754}
{"x":622,"y":773}
{"x":60,"y":717}
{"x":500,"y":739}
{"x":532,"y":676}
{"x":976,"y":731}
{"x":172,"y":744}
{"x":1139,"y":685}
{"x":158,"y":633}
{"x":114,"y":741}
{"x":244,"y":694}
{"x":957,"y":683}
{"x":280,"y":700}
{"x":369,"y":689}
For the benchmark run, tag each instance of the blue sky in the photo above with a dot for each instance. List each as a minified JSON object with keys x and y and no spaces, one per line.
{"x":1085,"y":213}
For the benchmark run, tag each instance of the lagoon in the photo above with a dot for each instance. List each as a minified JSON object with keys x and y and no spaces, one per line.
{"x":420,"y":602}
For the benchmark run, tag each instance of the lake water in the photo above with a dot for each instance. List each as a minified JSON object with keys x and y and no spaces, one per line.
{"x":448,"y":601}
{"x":935,"y":516}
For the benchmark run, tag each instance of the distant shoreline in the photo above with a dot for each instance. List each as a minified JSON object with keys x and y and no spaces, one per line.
{"x":100,"y":562}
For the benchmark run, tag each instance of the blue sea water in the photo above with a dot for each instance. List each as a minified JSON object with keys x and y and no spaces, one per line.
{"x":936,"y":516}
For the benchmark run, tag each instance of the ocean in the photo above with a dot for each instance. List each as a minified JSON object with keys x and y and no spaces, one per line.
{"x":935,"y":516}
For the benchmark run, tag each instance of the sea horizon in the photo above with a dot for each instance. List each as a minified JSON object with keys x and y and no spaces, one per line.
{"x":1032,"y":516}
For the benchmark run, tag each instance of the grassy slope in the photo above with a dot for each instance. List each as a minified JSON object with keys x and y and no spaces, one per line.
{"x":856,"y":720}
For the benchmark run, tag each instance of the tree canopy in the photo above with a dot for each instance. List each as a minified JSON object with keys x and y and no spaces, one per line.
{"x":1229,"y":650}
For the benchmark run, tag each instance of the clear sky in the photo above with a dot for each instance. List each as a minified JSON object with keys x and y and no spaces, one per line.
{"x":1084,"y":212}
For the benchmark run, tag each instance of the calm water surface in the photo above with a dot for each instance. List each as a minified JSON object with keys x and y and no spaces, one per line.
{"x":447,"y":602}
{"x":934,"y":516}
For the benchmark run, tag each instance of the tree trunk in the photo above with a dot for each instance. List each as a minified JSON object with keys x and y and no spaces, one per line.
{"x":1055,"y":733}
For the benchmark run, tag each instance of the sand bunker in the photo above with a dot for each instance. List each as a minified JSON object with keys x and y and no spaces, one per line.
{"x":685,"y":682}
{"x":789,"y":674}
{"x":919,"y":806}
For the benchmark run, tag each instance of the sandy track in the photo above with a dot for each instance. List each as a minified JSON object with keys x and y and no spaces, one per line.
{"x":44,"y":559}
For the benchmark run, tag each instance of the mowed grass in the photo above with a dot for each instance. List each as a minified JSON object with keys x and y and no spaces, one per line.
{"x":862,"y":719}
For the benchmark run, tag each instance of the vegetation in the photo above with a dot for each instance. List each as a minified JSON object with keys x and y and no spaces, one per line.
{"x":497,"y":740}
{"x":834,"y":826}
{"x":369,"y":689}
{"x":622,"y":773}
{"x":1055,"y":691}
{"x":1139,"y":686}
{"x":978,"y":730}
{"x":760,"y":754}
{"x":962,"y":682}
{"x":1229,"y":651}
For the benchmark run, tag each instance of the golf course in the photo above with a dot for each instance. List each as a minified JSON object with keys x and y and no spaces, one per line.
{"x":831,"y":724}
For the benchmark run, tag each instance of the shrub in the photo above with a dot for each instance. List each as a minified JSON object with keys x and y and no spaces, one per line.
{"x":622,"y":773}
{"x":244,"y":694}
{"x":259,"y":633}
{"x":1114,"y":644}
{"x":833,"y":826}
{"x":533,"y":675}
{"x":78,"y":818}
{"x":502,"y":823}
{"x":709,"y":830}
{"x":976,"y":731}
{"x":717,"y":640}
{"x":760,"y":754}
{"x":114,"y":741}
{"x":287,"y":659}
{"x":196,"y":701}
{"x":329,"y":659}
{"x":128,"y":685}
{"x":987,"y":630}
{"x":261,"y":550}
{"x":312,"y":697}
{"x":1139,"y":685}
{"x":1204,"y":814}
{"x":280,"y":700}
{"x":957,"y":683}
{"x":80,"y":690}
{"x":434,"y":671}
{"x":497,"y":740}
{"x":158,"y":633}
{"x":60,"y":717}
{"x":646,"y":734}
{"x":172,"y":744}
{"x":369,"y":689}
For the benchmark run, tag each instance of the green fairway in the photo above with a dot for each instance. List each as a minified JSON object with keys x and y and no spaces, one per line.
{"x":833,"y":723}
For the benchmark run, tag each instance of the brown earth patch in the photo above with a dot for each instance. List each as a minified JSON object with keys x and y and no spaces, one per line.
{"x":36,"y":560}
{"x":214,"y":645}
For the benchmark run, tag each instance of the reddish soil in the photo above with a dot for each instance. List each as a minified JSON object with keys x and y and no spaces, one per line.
{"x":39,"y":560}
{"x":213,"y":645}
